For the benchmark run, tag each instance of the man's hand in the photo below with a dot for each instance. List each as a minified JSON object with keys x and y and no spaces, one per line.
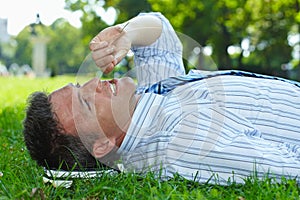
{"x":109,"y":47}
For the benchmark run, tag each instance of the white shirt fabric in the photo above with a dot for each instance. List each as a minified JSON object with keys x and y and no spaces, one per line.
{"x":219,"y":127}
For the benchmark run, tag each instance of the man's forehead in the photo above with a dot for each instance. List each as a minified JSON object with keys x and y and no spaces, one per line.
{"x":62,"y":95}
{"x":62,"y":91}
{"x":61,"y":100}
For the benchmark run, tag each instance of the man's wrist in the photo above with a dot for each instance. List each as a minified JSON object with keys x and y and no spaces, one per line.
{"x":142,"y":30}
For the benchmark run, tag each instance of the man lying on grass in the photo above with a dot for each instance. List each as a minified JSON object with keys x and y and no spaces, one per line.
{"x":196,"y":125}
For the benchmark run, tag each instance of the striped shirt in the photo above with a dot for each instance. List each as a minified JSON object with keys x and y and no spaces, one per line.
{"x":209,"y":126}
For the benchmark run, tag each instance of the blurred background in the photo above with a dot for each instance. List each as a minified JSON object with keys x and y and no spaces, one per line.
{"x":50,"y":38}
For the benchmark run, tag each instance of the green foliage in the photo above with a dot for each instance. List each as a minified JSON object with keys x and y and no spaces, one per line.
{"x":227,"y":22}
{"x":65,"y":50}
{"x":24,"y":47}
{"x":91,"y":19}
{"x":272,"y":22}
{"x":220,"y":24}
{"x":128,"y":9}
{"x":216,"y":23}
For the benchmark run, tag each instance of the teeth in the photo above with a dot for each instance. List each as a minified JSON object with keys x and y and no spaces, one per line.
{"x":113,"y":88}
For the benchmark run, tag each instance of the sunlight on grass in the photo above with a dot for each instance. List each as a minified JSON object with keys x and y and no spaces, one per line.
{"x":15,"y":90}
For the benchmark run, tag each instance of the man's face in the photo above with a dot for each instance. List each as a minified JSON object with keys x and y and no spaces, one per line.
{"x":98,"y":107}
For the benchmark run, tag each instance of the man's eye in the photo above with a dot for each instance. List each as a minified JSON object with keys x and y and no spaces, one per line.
{"x":87,"y":103}
{"x":77,"y":85}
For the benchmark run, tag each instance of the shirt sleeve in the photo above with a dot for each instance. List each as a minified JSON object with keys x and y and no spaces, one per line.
{"x":160,"y":60}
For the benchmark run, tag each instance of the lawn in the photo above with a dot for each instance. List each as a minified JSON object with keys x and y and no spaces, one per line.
{"x":21,"y":178}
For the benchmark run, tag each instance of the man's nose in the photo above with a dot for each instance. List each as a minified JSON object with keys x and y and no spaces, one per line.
{"x":91,"y":84}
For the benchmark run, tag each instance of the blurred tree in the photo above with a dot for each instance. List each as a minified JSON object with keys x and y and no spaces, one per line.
{"x":223,"y":23}
{"x":91,"y":19}
{"x":208,"y":22}
{"x":271,"y":23}
{"x":215,"y":23}
{"x":127,"y":9}
{"x":7,"y":51}
{"x":265,"y":24}
{"x":65,"y":51}
{"x":24,"y":47}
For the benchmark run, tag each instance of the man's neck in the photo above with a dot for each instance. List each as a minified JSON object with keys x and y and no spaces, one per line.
{"x":121,"y":133}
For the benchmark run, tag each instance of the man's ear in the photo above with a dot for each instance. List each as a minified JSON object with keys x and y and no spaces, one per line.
{"x":101,"y":148}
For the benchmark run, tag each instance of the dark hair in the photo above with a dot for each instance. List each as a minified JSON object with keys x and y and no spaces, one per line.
{"x":48,"y":143}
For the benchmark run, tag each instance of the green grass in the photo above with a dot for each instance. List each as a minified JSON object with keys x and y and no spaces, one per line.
{"x":21,"y":176}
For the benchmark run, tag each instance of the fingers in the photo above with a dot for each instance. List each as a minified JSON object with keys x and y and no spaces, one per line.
{"x":103,"y":52}
{"x":104,"y":59}
{"x":103,"y":49}
{"x":108,"y":68}
{"x":95,"y":44}
{"x":116,"y":37}
{"x":108,"y":35}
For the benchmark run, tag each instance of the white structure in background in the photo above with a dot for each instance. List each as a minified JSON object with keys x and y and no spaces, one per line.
{"x":39,"y":51}
{"x":4,"y":37}
{"x":39,"y":55}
